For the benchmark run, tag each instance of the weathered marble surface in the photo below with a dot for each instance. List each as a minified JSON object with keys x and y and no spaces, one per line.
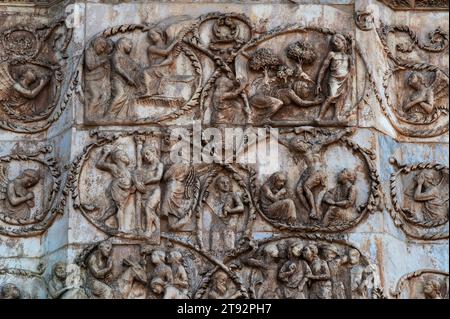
{"x":351,"y":201}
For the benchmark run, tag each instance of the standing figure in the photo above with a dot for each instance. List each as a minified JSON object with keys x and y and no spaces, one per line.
{"x":313,"y":180}
{"x":225,"y":222}
{"x":128,"y":80}
{"x":98,"y":75}
{"x":339,"y":66}
{"x":180,"y":277}
{"x":147,"y":181}
{"x":227,"y":102}
{"x":423,"y":96}
{"x":276,"y":199}
{"x":180,"y":195}
{"x":360,"y":276}
{"x":341,"y":199}
{"x":18,"y":198}
{"x":100,"y":263}
{"x":294,"y":273}
{"x":320,"y":278}
{"x":220,"y":287}
{"x":264,"y":273}
{"x":116,"y":162}
{"x":330,"y":255}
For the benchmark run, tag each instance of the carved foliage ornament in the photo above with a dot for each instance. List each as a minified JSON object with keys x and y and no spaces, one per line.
{"x":32,"y":76}
{"x":419,"y":195}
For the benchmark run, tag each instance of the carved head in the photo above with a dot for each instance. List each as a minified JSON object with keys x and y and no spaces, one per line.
{"x":416,"y":80}
{"x":157,"y":286}
{"x":296,"y":249}
{"x":354,"y":256}
{"x":223,"y":184}
{"x":101,"y":45}
{"x":299,"y":144}
{"x":119,"y":156}
{"x":432,"y":289}
{"x":225,"y":84}
{"x":156,"y":35}
{"x":59,"y":270}
{"x":339,"y":43}
{"x":158,"y":257}
{"x":278,"y":180}
{"x":29,"y":178}
{"x":347,"y":175}
{"x":429,"y":177}
{"x":29,"y":77}
{"x":271,"y":250}
{"x":149,"y":154}
{"x":310,"y":252}
{"x":174,"y":257}
{"x":10,"y":291}
{"x":125,"y":45}
{"x":329,"y":252}
{"x":220,"y":282}
{"x":105,"y":248}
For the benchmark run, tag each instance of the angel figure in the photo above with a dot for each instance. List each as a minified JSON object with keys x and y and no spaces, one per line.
{"x":423,"y":99}
{"x":16,"y":194}
{"x":21,"y":94}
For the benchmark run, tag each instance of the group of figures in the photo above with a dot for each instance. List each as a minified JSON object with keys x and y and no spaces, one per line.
{"x":189,"y":230}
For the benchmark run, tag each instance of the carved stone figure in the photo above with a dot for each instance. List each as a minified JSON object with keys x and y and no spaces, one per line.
{"x":294,"y":274}
{"x":320,"y":278}
{"x":341,"y":199}
{"x":128,"y":281}
{"x":160,"y":287}
{"x":100,"y":264}
{"x":98,"y":75}
{"x":220,"y":287}
{"x":116,"y":162}
{"x":430,"y":191}
{"x":128,"y":80}
{"x":432,"y":289}
{"x":226,"y":101}
{"x":311,"y":187}
{"x":161,"y":270}
{"x":360,"y":276}
{"x":180,"y":194}
{"x":18,"y":196}
{"x":423,"y":96}
{"x":180,"y":277}
{"x":225,"y":219}
{"x":57,"y":284}
{"x":147,"y":181}
{"x":339,"y":65}
{"x":335,"y":263}
{"x":276,"y":199}
{"x":9,"y":291}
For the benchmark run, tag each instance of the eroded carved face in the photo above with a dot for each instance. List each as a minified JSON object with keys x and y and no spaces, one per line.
{"x":279,"y":180}
{"x":296,"y":250}
{"x":120,"y":156}
{"x":154,"y":36}
{"x":29,"y":178}
{"x":149,"y":155}
{"x":272,"y":251}
{"x":220,"y":282}
{"x":415,"y":81}
{"x":347,"y":176}
{"x":174,"y":257}
{"x":309,"y":253}
{"x":105,"y":249}
{"x":431,"y":289}
{"x":29,"y":77}
{"x":223,"y":184}
{"x":339,"y":43}
{"x":10,"y":291}
{"x":100,"y":46}
{"x":158,"y":257}
{"x":60,"y":271}
{"x":354,"y":256}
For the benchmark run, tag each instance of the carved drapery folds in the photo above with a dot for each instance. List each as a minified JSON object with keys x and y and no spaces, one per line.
{"x":419,"y":195}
